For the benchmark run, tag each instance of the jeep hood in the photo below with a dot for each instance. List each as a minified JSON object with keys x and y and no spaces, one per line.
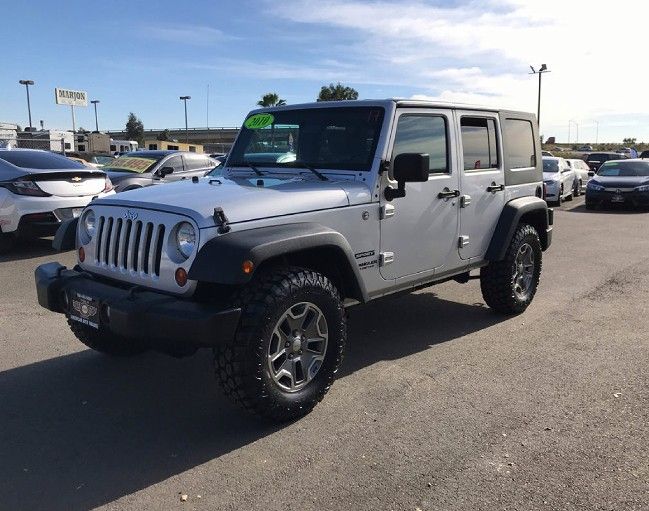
{"x":243,"y":199}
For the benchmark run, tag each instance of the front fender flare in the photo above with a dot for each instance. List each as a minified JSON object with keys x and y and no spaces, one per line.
{"x":219,"y":260}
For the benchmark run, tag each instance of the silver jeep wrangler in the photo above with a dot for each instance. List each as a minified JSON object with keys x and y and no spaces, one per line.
{"x":319,"y":207}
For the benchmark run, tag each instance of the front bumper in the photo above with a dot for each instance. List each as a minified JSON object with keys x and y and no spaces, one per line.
{"x":605,"y":197}
{"x":133,"y":312}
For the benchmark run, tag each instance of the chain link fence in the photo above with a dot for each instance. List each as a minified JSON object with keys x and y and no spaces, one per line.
{"x":54,"y":144}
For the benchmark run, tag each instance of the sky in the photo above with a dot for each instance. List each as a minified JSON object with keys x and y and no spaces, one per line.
{"x":141,"y":56}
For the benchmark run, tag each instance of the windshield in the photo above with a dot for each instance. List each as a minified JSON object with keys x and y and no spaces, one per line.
{"x":624,"y":169}
{"x":104,"y":160}
{"x":550,"y":166}
{"x":330,"y":138}
{"x":39,"y":160}
{"x":133,"y":164}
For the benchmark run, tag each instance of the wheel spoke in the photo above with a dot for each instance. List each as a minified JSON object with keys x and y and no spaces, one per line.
{"x":298,"y":346}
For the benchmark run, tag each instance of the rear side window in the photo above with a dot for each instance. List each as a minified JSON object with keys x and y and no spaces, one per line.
{"x":520,"y":144}
{"x":423,"y":134}
{"x":479,"y":143}
{"x":196,"y":162}
{"x":39,"y":160}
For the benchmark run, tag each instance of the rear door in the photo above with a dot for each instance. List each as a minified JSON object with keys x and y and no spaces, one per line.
{"x":482,"y":180}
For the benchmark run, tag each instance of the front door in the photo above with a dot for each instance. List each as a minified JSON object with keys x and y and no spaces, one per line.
{"x":482,"y":181}
{"x":419,"y":231}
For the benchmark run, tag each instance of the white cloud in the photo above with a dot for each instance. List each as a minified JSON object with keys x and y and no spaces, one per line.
{"x":479,"y":51}
{"x":183,"y":34}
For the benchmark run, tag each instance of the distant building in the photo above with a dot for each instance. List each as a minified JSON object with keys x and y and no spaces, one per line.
{"x":171,"y":145}
{"x":96,"y":143}
{"x":8,"y":134}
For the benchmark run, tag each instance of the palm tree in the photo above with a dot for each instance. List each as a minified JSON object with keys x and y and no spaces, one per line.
{"x":271,"y":99}
{"x":337,"y":92}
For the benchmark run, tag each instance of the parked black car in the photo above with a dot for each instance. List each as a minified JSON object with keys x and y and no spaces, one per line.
{"x":644,"y":154}
{"x":619,"y":182}
{"x":594,"y":160}
{"x":144,"y":168}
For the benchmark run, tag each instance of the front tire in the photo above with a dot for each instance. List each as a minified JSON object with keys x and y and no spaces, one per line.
{"x":105,"y":342}
{"x":288,"y":347}
{"x":509,"y":286}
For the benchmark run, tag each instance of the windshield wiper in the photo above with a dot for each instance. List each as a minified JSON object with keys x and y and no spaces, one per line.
{"x":249,"y":165}
{"x":302,"y":164}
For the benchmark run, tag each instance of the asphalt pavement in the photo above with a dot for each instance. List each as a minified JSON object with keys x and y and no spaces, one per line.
{"x":441,"y":404}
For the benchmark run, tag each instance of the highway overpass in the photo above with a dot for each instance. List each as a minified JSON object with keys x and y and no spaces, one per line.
{"x":213,"y":139}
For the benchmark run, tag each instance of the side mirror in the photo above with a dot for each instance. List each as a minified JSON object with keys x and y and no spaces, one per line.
{"x":591,"y":173}
{"x":408,"y":168}
{"x":164,"y":171}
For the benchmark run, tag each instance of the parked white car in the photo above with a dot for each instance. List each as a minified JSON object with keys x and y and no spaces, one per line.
{"x":40,"y":189}
{"x":581,"y":169}
{"x":558,"y":178}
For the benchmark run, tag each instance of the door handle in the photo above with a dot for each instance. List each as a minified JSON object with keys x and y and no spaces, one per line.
{"x":448,"y":194}
{"x":495,"y":188}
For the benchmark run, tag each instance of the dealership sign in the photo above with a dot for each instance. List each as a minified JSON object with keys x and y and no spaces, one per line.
{"x":71,"y":97}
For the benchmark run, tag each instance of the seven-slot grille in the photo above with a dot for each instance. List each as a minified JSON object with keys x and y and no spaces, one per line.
{"x":132,"y":245}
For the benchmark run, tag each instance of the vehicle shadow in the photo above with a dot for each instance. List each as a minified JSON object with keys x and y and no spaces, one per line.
{"x":613,"y":210}
{"x":82,"y":430}
{"x":29,"y":249}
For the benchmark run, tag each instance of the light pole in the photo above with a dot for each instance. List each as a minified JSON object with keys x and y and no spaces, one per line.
{"x":184,"y":99}
{"x":94,"y":102}
{"x":597,"y":132}
{"x":543,"y":69}
{"x":27,"y":83}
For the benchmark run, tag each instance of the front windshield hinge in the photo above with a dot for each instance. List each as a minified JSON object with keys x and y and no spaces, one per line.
{"x":385,"y":166}
{"x":221,"y":220}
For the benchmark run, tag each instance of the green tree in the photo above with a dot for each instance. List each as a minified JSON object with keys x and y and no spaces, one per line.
{"x":164,"y":135}
{"x":134,"y":128}
{"x":271,"y":99}
{"x":629,"y":141}
{"x":337,"y":92}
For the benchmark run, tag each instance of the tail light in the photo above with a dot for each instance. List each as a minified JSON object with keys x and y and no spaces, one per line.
{"x":109,"y":185}
{"x":26,"y":187}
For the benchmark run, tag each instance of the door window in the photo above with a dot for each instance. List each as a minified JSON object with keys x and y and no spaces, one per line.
{"x":176,"y":162}
{"x":425,"y":134}
{"x":479,"y":143}
{"x":520,"y":144}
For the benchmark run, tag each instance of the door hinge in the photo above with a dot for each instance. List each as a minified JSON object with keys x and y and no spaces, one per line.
{"x":463,"y":241}
{"x":386,"y":258}
{"x":465,"y":200}
{"x":387,"y":211}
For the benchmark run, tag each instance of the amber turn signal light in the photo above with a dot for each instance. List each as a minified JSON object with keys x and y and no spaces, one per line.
{"x":247,"y":267}
{"x":82,"y":255}
{"x":181,"y":277}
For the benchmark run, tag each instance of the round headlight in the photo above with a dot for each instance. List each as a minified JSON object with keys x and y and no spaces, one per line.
{"x":89,"y":223}
{"x":186,"y":239}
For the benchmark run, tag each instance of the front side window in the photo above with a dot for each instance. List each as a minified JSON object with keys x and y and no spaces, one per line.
{"x":424,"y":134}
{"x":520,"y":144}
{"x":479,"y":143}
{"x":342,"y":138}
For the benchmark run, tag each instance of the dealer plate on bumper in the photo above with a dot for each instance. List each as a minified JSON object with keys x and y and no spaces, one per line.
{"x":84,"y":310}
{"x":617,"y":198}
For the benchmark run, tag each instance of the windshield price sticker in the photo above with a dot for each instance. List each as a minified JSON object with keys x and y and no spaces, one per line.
{"x":259,"y":121}
{"x":134,"y":164}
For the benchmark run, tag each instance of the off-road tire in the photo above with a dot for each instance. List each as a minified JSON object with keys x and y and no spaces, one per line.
{"x":241,"y":365}
{"x":106,"y":342}
{"x":497,"y":278}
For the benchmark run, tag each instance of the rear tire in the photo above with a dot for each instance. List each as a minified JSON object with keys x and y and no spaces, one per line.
{"x":106,"y":342}
{"x":288,"y":347}
{"x":509,"y":286}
